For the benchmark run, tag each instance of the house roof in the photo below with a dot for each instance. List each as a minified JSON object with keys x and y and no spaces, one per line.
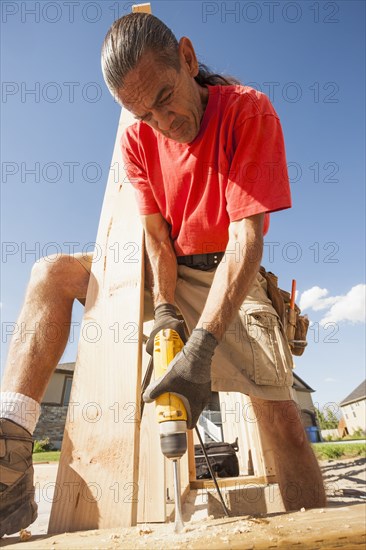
{"x":356,"y":395}
{"x":66,"y":367}
{"x":301,"y":385}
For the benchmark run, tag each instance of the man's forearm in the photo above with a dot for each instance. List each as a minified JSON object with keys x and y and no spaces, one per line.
{"x":163,"y":263}
{"x":232,"y":281}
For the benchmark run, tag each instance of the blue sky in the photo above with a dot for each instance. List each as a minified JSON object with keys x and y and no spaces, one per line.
{"x":307,"y":56}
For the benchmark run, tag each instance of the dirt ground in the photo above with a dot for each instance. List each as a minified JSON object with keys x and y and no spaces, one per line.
{"x":342,"y":524}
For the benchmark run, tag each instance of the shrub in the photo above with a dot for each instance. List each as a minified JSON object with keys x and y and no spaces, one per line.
{"x":42,"y":445}
{"x":358,"y":434}
{"x":331,"y":451}
{"x":334,"y":451}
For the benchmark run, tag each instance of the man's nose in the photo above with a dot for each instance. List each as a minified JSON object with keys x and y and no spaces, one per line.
{"x":163,"y":120}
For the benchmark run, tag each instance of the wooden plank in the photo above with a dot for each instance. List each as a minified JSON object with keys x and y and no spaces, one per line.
{"x":184,"y":472}
{"x":152,"y":490}
{"x":191,"y":459}
{"x":261,"y":451}
{"x":234,"y":426}
{"x":156,"y":489}
{"x":98,"y":475}
{"x":152,"y":477}
{"x":227,"y":482}
{"x":330,"y":528}
{"x":146,"y":8}
{"x":98,"y":483}
{"x":255,"y":454}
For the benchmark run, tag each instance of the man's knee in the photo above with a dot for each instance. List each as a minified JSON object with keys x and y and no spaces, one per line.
{"x":50,"y":266}
{"x":281,"y":420}
{"x":291,"y":427}
{"x":62,"y":270}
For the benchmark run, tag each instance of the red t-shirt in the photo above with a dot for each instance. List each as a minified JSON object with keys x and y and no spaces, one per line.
{"x":234,"y":168}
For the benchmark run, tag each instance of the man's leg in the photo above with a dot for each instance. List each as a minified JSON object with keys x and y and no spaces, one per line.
{"x":297,"y":468}
{"x":43,"y":324}
{"x":42,"y":330}
{"x":251,"y":359}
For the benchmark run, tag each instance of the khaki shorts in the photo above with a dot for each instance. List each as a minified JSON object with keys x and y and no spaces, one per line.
{"x":253,"y":356}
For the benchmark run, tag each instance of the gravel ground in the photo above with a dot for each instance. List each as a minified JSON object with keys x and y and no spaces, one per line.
{"x":345,"y":481}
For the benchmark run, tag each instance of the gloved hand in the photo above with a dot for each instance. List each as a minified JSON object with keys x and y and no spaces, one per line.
{"x":165,"y":317}
{"x":188,"y":375}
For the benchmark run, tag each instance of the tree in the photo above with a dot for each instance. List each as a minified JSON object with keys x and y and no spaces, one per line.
{"x":327,"y":420}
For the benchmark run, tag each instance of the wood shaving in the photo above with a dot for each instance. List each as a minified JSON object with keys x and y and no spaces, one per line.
{"x":24,"y":535}
{"x":145,"y":531}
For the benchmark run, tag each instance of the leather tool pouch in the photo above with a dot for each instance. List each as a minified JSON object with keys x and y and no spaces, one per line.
{"x":295,"y":325}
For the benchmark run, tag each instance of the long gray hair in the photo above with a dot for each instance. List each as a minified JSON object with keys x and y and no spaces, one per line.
{"x":137,"y":33}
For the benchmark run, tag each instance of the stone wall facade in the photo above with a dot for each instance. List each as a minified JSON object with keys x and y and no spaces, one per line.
{"x":51,"y":424}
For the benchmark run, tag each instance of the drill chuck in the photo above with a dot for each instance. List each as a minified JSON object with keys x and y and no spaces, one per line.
{"x":173,"y":439}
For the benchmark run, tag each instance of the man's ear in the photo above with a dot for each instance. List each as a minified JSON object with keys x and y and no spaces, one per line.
{"x":187,"y":56}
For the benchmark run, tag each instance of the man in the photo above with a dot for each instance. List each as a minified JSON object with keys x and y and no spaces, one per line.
{"x":207,"y":162}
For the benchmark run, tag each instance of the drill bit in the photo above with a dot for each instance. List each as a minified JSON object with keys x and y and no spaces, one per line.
{"x":178,"y":523}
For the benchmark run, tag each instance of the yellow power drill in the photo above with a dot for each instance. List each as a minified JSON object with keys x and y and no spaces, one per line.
{"x":171,"y":413}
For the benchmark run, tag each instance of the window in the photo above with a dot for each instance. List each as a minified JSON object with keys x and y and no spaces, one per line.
{"x":66,"y":390}
{"x":346,"y":415}
{"x":354,"y":414}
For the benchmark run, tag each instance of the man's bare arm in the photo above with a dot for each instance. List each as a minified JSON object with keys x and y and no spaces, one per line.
{"x":234,"y":277}
{"x":163,"y":260}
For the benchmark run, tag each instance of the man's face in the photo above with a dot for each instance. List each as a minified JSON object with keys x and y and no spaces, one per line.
{"x":168,"y":100}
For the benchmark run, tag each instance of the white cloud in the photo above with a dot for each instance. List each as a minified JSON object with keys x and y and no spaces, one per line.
{"x":315,"y":298}
{"x":330,"y":380}
{"x":348,"y":307}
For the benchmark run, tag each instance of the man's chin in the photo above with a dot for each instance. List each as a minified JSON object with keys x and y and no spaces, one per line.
{"x":181,"y":140}
{"x":183,"y":134}
{"x":184,"y":137}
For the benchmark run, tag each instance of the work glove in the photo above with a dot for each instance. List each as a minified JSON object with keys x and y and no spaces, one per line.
{"x":165,"y":317}
{"x":188,"y":375}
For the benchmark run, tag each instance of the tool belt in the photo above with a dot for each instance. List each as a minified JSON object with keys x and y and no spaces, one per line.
{"x":295,"y":325}
{"x":204,"y":262}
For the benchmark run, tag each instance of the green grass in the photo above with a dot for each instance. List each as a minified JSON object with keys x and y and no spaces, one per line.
{"x":324,"y":451}
{"x":49,"y":456}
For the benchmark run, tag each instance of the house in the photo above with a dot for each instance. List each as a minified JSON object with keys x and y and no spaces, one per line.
{"x":342,"y":427}
{"x":302,"y":395}
{"x":56,"y":399}
{"x":354,"y":409}
{"x":55,"y":404}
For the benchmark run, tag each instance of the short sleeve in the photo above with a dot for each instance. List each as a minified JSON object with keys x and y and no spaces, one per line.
{"x":258,"y":178}
{"x":136,"y":174}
